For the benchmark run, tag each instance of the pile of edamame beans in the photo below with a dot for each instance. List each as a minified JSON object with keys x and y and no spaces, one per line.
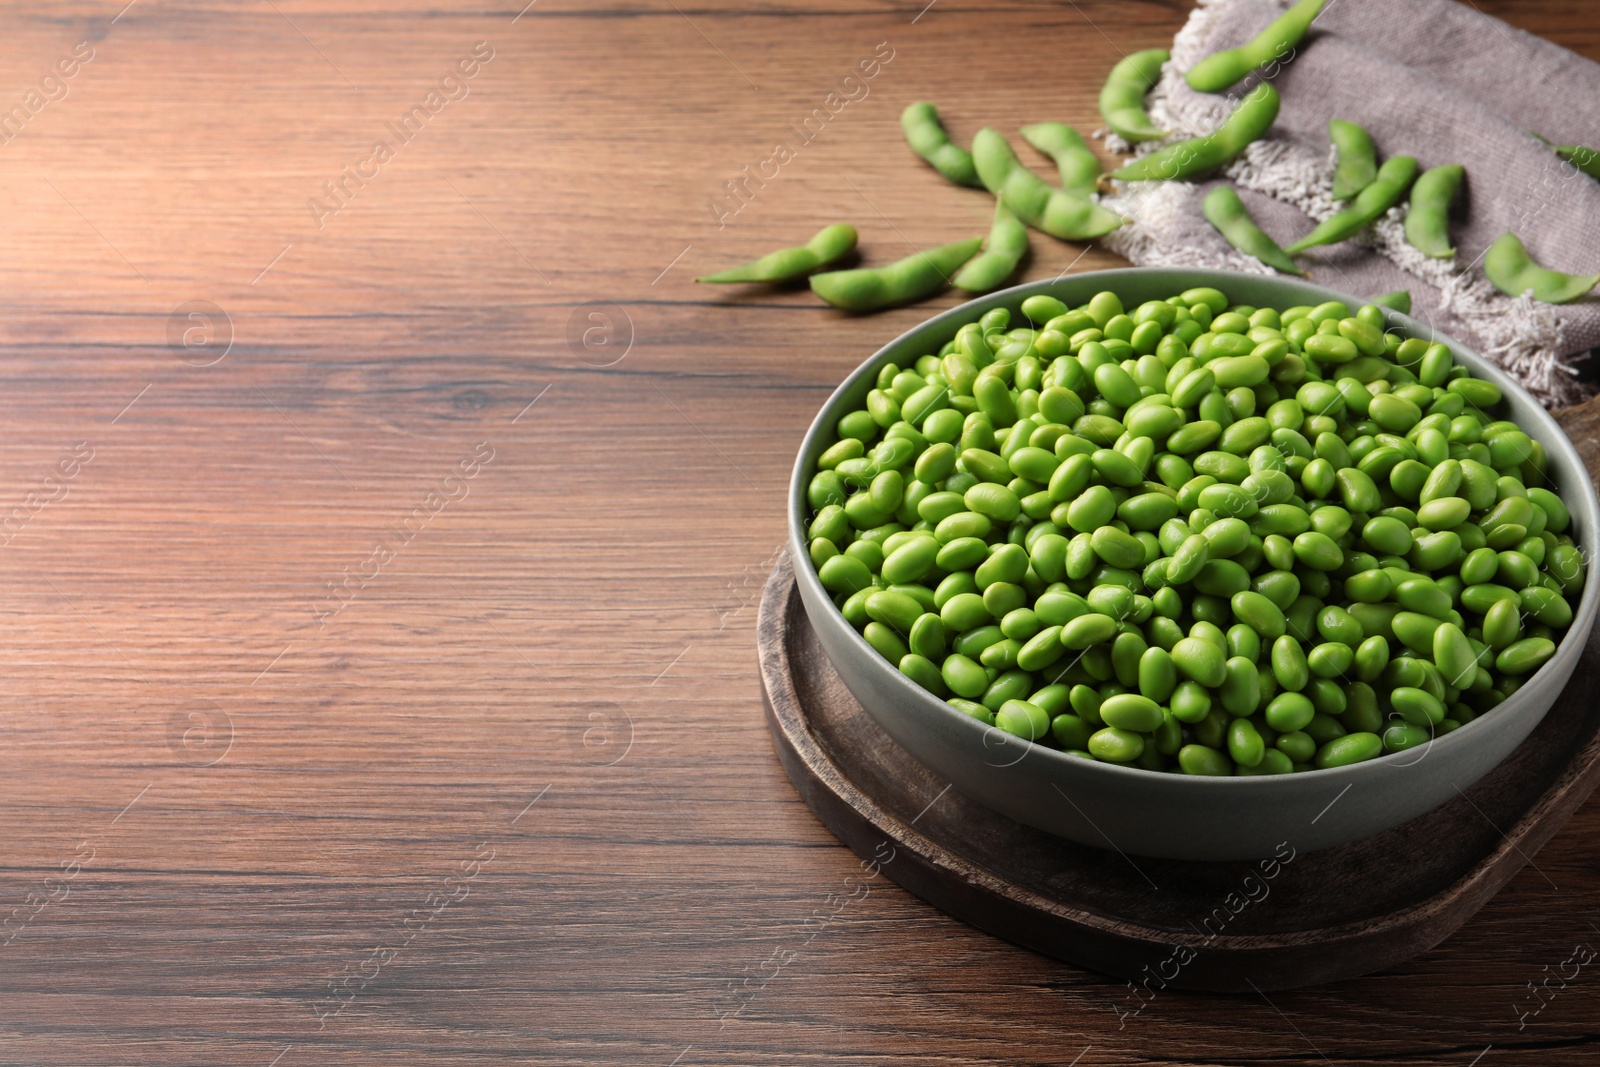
{"x":1196,"y":538}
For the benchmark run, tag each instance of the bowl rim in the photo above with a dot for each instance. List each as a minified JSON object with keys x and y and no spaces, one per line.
{"x":1586,"y":516}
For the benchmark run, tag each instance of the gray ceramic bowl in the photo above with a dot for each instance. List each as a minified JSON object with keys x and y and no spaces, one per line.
{"x":1174,"y":815}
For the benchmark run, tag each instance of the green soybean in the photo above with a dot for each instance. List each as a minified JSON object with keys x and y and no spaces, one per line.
{"x":830,"y":244}
{"x":1033,"y":200}
{"x":1502,"y":624}
{"x":1357,"y":159}
{"x":1524,"y":656}
{"x":1003,"y":249}
{"x":918,"y":275}
{"x":1289,"y":712}
{"x":1201,"y":661}
{"x":1122,"y":98}
{"x":1399,"y":300}
{"x":1584,"y":159}
{"x":1275,"y":44}
{"x":1200,"y":760}
{"x":1406,"y":735}
{"x":1417,"y":706}
{"x":1116,"y":746}
{"x":1126,"y":545}
{"x":1225,"y":211}
{"x":1351,"y":748}
{"x":1245,"y":744}
{"x":1385,"y":190}
{"x":927,"y":137}
{"x":1131,"y":711}
{"x":1454,"y":656}
{"x":1428,"y":216}
{"x":1027,"y":721}
{"x":1201,"y":155}
{"x":1513,"y":270}
{"x":1075,"y":161}
{"x":1259,"y":613}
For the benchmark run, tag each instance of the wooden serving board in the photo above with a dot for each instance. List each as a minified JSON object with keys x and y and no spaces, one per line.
{"x":1312,"y":918}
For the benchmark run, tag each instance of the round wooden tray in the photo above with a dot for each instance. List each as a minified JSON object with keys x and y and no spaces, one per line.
{"x":1309,"y":918}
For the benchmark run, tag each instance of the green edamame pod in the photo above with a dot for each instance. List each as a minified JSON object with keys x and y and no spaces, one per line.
{"x":919,"y":275}
{"x":1002,"y":251}
{"x":1122,"y":98}
{"x":1224,"y":210}
{"x":1032,"y":199}
{"x":1585,"y":159}
{"x":1394,"y":178}
{"x":1201,"y":155}
{"x":1514,"y":272}
{"x":927,"y":137}
{"x":830,"y":244}
{"x":1357,"y":158}
{"x":1079,"y":167}
{"x":1399,"y":300}
{"x":1581,"y":157}
{"x":1276,"y":43}
{"x":1428,"y":217}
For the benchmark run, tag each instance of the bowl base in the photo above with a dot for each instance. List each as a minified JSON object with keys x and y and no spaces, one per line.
{"x":1274,"y":924}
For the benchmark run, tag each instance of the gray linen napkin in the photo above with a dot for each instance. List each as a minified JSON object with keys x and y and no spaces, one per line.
{"x":1433,"y":79}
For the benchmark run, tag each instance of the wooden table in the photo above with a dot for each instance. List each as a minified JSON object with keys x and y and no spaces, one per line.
{"x":383,"y":554}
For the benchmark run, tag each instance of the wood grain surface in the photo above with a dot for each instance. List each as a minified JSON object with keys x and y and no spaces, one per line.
{"x":382,"y":533}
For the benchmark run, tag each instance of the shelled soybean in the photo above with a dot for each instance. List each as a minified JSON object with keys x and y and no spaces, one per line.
{"x":1193,"y":537}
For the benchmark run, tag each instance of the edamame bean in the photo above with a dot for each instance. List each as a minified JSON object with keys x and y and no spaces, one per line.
{"x":1086,"y":630}
{"x":1514,"y":271}
{"x":1289,"y":712}
{"x":1454,"y":656}
{"x":1417,"y":706}
{"x":1275,"y":44}
{"x":1351,"y":748}
{"x":1027,"y":721}
{"x":1524,"y":656}
{"x":1357,"y":159}
{"x":1116,"y":746}
{"x":1399,"y":300}
{"x":1331,"y":659}
{"x":1132,"y":712}
{"x":1584,"y":159}
{"x":1003,"y":249}
{"x":1240,"y":692}
{"x":1200,"y":155}
{"x":1122,"y":98}
{"x":927,"y":137}
{"x":912,"y":278}
{"x":1245,"y":744}
{"x":1201,"y":661}
{"x":1017,"y":532}
{"x":1258,"y":613}
{"x":1385,"y":190}
{"x":830,"y":243}
{"x":1033,"y":200}
{"x":1428,"y":217}
{"x":1198,"y":759}
{"x":1076,"y":162}
{"x":1289,"y":667}
{"x":1224,"y":210}
{"x":1547,"y":606}
{"x":1406,"y":735}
